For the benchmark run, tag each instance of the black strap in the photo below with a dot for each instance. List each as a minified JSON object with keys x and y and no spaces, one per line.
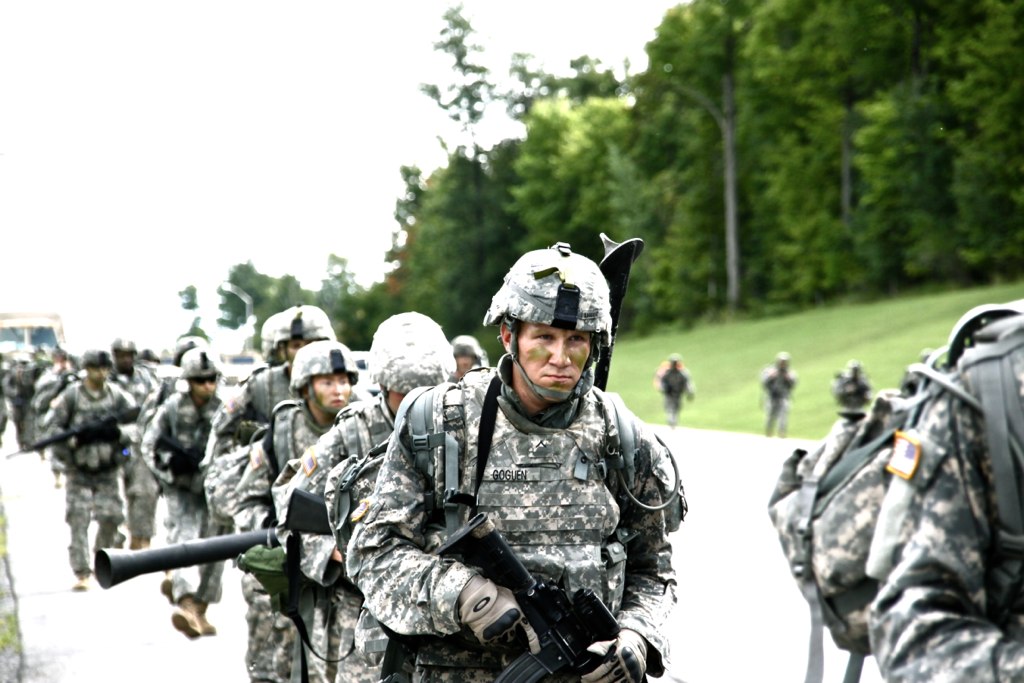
{"x":488,"y":417}
{"x":293,"y":555}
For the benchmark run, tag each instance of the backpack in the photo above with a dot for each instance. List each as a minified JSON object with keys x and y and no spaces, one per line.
{"x":839,"y":510}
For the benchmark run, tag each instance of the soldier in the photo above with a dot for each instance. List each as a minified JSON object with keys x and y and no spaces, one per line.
{"x":322,"y":376}
{"x":173,"y":446}
{"x":409,"y":350}
{"x":52,"y":382}
{"x":19,"y":384}
{"x":674,"y":383}
{"x":851,"y":387}
{"x":950,"y":608}
{"x":540,"y":478}
{"x":92,"y":458}
{"x":141,"y":489}
{"x":777,"y":382}
{"x":468,"y":355}
{"x":240,"y":417}
{"x":3,"y":400}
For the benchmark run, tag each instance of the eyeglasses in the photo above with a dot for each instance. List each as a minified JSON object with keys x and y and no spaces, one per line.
{"x":203,"y":380}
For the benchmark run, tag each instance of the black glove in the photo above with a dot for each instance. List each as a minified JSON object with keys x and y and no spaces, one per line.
{"x":185,"y":462}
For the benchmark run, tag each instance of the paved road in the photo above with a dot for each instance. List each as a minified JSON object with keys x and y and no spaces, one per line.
{"x":740,"y":616}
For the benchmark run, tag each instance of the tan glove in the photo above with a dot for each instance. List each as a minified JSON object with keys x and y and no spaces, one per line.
{"x":492,"y":613}
{"x":625,"y":659}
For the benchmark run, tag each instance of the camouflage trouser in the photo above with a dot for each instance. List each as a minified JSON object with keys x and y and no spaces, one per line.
{"x":91,"y":496}
{"x":333,"y":635}
{"x":672,"y":406}
{"x":455,"y":675}
{"x":188,"y":519}
{"x":777,"y":413}
{"x":141,"y":490}
{"x":272,"y":636}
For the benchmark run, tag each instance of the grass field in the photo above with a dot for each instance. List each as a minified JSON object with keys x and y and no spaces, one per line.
{"x":725,"y":359}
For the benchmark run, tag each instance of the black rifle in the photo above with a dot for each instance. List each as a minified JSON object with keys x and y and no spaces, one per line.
{"x":103,"y":429}
{"x":615,"y":266}
{"x":184,"y":459}
{"x":565,"y":627}
{"x":307,"y":513}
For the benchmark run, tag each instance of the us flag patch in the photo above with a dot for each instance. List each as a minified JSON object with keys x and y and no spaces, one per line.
{"x":256,"y":457}
{"x":906,"y":454}
{"x":309,"y":461}
{"x":360,"y":510}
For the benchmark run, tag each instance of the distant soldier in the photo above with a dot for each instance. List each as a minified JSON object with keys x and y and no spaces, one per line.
{"x":50,"y":384}
{"x":140,"y":486}
{"x":173,"y":446}
{"x":851,"y":387}
{"x":3,"y":401}
{"x":777,"y":382}
{"x":19,"y":386}
{"x":468,"y":355}
{"x":323,"y":374}
{"x":409,"y":350}
{"x":93,"y":458}
{"x":674,"y":382}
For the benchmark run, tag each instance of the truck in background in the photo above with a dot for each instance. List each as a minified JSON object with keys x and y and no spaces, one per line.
{"x":30,"y":332}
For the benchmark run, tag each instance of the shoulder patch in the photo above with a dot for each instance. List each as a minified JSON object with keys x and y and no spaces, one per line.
{"x":360,"y":511}
{"x":906,"y":455}
{"x":309,"y":463}
{"x":256,"y":456}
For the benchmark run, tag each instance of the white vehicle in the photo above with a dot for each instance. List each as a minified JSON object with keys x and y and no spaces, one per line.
{"x":30,"y":332}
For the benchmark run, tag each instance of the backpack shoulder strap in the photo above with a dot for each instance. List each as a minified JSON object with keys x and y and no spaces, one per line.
{"x":989,"y":369}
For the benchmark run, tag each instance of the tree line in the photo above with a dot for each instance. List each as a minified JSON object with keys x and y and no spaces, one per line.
{"x":773,"y":155}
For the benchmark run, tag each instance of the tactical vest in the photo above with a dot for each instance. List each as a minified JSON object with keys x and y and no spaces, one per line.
{"x":100,"y":456}
{"x":269,"y":388}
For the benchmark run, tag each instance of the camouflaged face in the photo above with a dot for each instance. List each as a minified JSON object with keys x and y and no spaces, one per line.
{"x":410,"y":350}
{"x":530,"y":291}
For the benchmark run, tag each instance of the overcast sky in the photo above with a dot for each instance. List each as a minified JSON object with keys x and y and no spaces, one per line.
{"x":147,"y":146}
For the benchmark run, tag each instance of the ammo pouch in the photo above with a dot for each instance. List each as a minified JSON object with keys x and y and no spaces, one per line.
{"x":267,"y":565}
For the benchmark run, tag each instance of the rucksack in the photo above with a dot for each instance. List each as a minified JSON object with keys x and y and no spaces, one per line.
{"x":838,"y":509}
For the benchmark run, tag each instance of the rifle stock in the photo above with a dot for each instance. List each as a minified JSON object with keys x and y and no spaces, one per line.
{"x":103,"y":429}
{"x":307,"y":513}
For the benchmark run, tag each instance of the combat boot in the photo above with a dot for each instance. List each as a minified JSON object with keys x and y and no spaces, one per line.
{"x":206,"y":627}
{"x":139,"y":543}
{"x":83,"y":583}
{"x":167,"y":588}
{"x":186,"y":618}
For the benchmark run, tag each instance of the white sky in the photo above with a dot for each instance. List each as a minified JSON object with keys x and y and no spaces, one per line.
{"x":147,"y":146}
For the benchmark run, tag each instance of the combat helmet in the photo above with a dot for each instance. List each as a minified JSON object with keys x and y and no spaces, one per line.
{"x":302,"y":322}
{"x":555,"y":287}
{"x":410,"y":350}
{"x":97,"y":358}
{"x":268,"y":333}
{"x":185,"y":344}
{"x":123,"y":344}
{"x":324,"y":357}
{"x":467,"y":345}
{"x":199,"y":363}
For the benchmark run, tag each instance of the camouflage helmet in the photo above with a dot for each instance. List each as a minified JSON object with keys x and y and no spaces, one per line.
{"x":324,"y":357}
{"x":853,"y":364}
{"x":185,"y":344}
{"x":123,"y":344}
{"x":198,"y":363}
{"x":97,"y":358}
{"x":302,"y":322}
{"x":410,"y":350}
{"x":268,"y":333}
{"x":467,"y":345}
{"x":555,"y":287}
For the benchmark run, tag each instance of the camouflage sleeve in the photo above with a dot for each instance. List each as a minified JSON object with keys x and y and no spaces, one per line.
{"x":317,"y":549}
{"x":254,"y":493}
{"x":226,"y":422}
{"x":407,"y":589}
{"x":650,"y":583}
{"x":147,"y":447}
{"x":57,"y":419}
{"x":929,"y":618}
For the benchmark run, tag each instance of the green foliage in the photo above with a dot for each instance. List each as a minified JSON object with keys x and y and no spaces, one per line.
{"x":725,"y":359}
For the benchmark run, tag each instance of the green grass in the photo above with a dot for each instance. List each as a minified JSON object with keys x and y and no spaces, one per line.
{"x":725,"y":359}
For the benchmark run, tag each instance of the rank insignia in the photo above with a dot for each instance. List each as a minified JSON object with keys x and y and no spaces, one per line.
{"x":906,"y":454}
{"x":309,"y":461}
{"x":360,"y":511}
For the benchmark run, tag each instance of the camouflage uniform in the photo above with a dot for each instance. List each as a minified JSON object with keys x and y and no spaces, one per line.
{"x":851,"y":388}
{"x":242,"y":415}
{"x":140,"y":486}
{"x":92,"y":470}
{"x":777,"y":381}
{"x":675,"y":382}
{"x":187,"y":515}
{"x":929,"y":621}
{"x":48,"y":386}
{"x":544,"y":488}
{"x":358,"y":428}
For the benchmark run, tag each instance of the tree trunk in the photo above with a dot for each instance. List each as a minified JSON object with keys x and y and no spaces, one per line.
{"x":732,"y":240}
